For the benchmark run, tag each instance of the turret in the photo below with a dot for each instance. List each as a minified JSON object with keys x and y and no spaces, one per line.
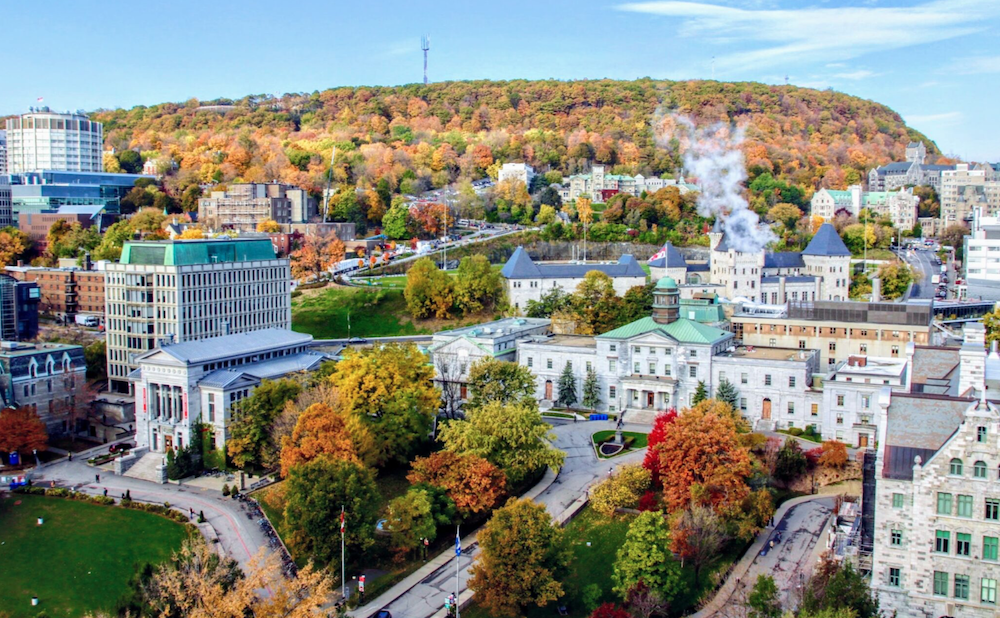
{"x":666,"y":301}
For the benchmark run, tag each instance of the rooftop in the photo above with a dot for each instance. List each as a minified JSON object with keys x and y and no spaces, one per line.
{"x":682,"y":330}
{"x":573,"y":341}
{"x":17,"y":348}
{"x":918,"y":425}
{"x":521,"y":266}
{"x":497,"y":328}
{"x":872,"y":366}
{"x":826,"y":242}
{"x":226,"y":346}
{"x":264,"y":370}
{"x":771,"y":354}
{"x":202,"y":251}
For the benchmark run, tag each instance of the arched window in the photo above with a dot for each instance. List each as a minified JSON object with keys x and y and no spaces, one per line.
{"x":979,"y":470}
{"x":955,"y":469}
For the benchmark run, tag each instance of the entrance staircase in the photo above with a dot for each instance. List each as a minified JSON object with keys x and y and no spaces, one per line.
{"x":146,"y":468}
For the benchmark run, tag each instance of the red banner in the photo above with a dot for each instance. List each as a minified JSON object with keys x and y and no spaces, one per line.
{"x":184,"y":398}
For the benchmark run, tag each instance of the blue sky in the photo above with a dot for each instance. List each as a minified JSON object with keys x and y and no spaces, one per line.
{"x":936,"y":62}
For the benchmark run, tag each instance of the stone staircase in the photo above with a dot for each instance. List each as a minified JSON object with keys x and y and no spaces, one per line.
{"x":147,"y":468}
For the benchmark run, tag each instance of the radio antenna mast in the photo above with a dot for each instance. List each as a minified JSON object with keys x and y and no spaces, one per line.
{"x":425,"y":44}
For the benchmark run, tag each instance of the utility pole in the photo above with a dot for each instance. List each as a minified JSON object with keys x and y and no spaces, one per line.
{"x":329,"y":179}
{"x":458,"y":557}
{"x":343,"y":569}
{"x":425,"y":44}
{"x":444,"y":245}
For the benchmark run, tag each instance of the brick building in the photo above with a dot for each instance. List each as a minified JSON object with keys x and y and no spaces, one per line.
{"x":64,"y":292}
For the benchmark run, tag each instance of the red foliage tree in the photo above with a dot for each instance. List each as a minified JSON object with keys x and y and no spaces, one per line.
{"x":474,"y":484}
{"x":610,"y":610}
{"x":22,"y":430}
{"x":652,"y":460}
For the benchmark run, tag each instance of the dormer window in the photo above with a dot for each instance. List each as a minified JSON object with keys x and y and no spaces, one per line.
{"x":981,"y":434}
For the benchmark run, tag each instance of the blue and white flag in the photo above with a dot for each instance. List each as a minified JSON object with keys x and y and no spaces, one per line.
{"x":458,"y":544}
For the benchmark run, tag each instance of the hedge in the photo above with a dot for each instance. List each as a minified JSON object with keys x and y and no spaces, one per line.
{"x":60,"y":492}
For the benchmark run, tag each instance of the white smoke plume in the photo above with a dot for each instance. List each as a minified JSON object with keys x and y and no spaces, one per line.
{"x":712,"y":154}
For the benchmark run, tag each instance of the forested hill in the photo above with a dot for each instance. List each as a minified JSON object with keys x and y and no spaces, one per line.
{"x":421,"y":136}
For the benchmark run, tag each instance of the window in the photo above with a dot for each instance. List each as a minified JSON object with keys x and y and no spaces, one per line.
{"x":791,"y":407}
{"x":963,"y":544}
{"x":964,"y":506}
{"x":866,"y":401}
{"x":612,"y":365}
{"x":979,"y":470}
{"x":962,"y":587}
{"x":791,"y":381}
{"x":863,"y":348}
{"x":693,"y":372}
{"x":531,"y":362}
{"x":612,"y":392}
{"x":772,"y":342}
{"x":988,"y":591}
{"x":613,"y":348}
{"x":942,"y":541}
{"x":955,"y":467}
{"x":652,"y":369}
{"x":589,"y":367}
{"x":548,"y":363}
{"x":743,"y":404}
{"x":814,"y":409}
{"x":840,"y":400}
{"x":211,"y":407}
{"x":992,"y":509}
{"x":980,"y":434}
{"x":943,"y":503}
{"x":767,"y":379}
{"x":940,"y":583}
{"x":802,"y":344}
{"x":897,"y":501}
{"x":833,"y":346}
{"x":894,"y":576}
{"x":840,"y":419}
{"x":894,"y":351}
{"x":693,"y":353}
{"x":990,"y":547}
{"x":743,"y":378}
{"x":636,"y":367}
{"x":896,"y":537}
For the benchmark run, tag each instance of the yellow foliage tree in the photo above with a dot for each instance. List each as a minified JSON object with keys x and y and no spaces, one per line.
{"x":621,"y":490}
{"x":268,"y":226}
{"x":192,"y":233}
{"x":319,"y":431}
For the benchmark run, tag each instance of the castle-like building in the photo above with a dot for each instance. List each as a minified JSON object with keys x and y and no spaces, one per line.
{"x":820,"y":272}
{"x":600,"y":186}
{"x":914,"y":171}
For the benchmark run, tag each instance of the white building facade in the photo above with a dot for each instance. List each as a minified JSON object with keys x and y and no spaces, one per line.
{"x":46,"y":140}
{"x":521,"y":172}
{"x":528,"y":280}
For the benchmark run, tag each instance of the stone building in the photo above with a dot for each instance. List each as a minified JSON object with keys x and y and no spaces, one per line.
{"x":528,"y":280}
{"x":598,"y":185}
{"x":49,"y":378}
{"x":914,"y":171}
{"x":242,"y":206}
{"x":900,"y":206}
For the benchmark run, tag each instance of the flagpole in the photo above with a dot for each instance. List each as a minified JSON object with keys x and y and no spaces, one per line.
{"x":343,"y":568}
{"x":458,"y":556}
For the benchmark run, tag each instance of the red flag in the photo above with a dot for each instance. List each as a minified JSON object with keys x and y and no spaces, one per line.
{"x":342,"y":522}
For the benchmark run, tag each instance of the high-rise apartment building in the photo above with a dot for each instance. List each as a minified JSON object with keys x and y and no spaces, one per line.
{"x":242,"y":206}
{"x":183,"y":290}
{"x":3,"y":152}
{"x":47,"y":140}
{"x":6,"y":211}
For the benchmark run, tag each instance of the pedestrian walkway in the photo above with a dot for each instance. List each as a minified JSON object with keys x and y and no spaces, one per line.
{"x":146,"y":468}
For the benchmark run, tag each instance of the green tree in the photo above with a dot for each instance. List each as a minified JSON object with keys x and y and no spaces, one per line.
{"x":495,"y":380}
{"x":429,"y":291}
{"x":550,"y":302}
{"x":113,"y":240}
{"x":130,"y":161}
{"x":411,"y":519}
{"x":509,"y":576}
{"x":511,"y":436}
{"x":148,"y":220}
{"x":645,"y":557}
{"x":896,"y":278}
{"x":478,"y":286}
{"x":791,"y":462}
{"x":727,"y":393}
{"x":96,"y":356}
{"x":396,"y":220}
{"x":190,"y":197}
{"x":835,"y":586}
{"x":250,"y":442}
{"x":546,"y":215}
{"x":954,"y":236}
{"x":700,"y":394}
{"x":764,"y":600}
{"x":567,"y":386}
{"x":591,"y":390}
{"x":315,"y":493}
{"x":636,"y":304}
{"x":596,"y":304}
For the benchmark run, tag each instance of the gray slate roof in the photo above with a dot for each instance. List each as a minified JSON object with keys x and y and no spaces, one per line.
{"x":521,"y":266}
{"x":899,"y":167}
{"x":919,"y":425}
{"x":785,"y":259}
{"x":826,"y":242}
{"x":204,"y":350}
{"x":264,"y":370}
{"x":673,"y":259}
{"x":790,"y":279}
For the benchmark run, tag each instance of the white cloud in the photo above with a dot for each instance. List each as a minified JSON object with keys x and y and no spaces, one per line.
{"x":856,"y":75}
{"x":943,"y":118}
{"x":813,"y":34}
{"x":977,"y":65}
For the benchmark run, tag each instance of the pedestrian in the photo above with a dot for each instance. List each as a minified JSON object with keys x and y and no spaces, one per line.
{"x":191,"y":512}
{"x":610,"y":470}
{"x":71,"y":456}
{"x":97,"y":478}
{"x":52,"y":484}
{"x":105,"y":492}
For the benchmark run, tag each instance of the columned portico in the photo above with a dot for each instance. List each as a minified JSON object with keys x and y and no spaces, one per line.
{"x":648,"y":396}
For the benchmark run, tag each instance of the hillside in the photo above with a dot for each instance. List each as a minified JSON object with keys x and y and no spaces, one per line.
{"x":418,"y":136}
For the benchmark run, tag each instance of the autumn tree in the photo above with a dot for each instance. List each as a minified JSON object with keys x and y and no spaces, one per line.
{"x":621,"y":490}
{"x":473,"y":484}
{"x":322,"y":392}
{"x":192,"y":233}
{"x":702,"y":459}
{"x":567,"y":386}
{"x":14,"y":244}
{"x":546,"y":215}
{"x":596,"y":304}
{"x":268,"y":226}
{"x":478,"y":286}
{"x":896,"y":278}
{"x":148,"y":220}
{"x":319,"y":431}
{"x":22,"y":430}
{"x":698,"y":534}
{"x":512,"y":436}
{"x":196,"y":581}
{"x":315,"y":492}
{"x":507,"y":577}
{"x":429,"y":291}
{"x":651,"y":461}
{"x":316,"y":255}
{"x":389,"y":387}
{"x":495,"y":380}
{"x":645,"y":557}
{"x":785,"y":214}
{"x":250,"y":442}
{"x":833,"y":454}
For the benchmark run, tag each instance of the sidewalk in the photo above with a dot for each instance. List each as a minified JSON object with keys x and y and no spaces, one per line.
{"x":738,"y":574}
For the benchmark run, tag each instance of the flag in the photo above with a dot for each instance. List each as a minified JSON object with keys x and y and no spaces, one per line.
{"x":458,"y":544}
{"x":342,"y":522}
{"x":661,"y":253}
{"x":40,"y":99}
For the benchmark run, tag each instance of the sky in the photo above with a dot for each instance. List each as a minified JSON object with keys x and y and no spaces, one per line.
{"x":936,"y":62}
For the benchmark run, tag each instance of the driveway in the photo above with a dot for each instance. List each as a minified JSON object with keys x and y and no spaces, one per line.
{"x":239,"y":536}
{"x":580,"y":469}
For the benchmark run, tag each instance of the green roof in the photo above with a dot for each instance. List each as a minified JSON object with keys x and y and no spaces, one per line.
{"x":666,"y":283}
{"x":683,"y":330}
{"x":187,"y":252}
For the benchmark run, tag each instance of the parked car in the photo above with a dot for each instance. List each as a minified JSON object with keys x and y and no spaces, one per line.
{"x":382,"y":613}
{"x":121,"y":447}
{"x":357,"y":340}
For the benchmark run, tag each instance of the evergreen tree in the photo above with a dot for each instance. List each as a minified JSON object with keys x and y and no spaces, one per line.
{"x":591,"y":390}
{"x":700,"y":394}
{"x":727,"y":393}
{"x":567,"y":386}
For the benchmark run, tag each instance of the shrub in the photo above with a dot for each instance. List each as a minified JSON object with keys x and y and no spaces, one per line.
{"x":649,"y":502}
{"x":795,"y":431}
{"x":225,"y":489}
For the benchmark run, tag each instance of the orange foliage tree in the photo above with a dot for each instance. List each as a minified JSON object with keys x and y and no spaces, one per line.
{"x":702,"y":458}
{"x":474,"y":484}
{"x":22,"y":430}
{"x":319,"y":431}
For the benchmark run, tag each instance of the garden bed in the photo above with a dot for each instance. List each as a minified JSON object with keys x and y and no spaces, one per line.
{"x":634,"y":440}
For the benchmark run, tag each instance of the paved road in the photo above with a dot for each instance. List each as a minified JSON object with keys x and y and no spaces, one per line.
{"x":791,"y":561}
{"x":581,"y":469}
{"x":365,"y":340}
{"x":240,"y":537}
{"x":922,"y":262}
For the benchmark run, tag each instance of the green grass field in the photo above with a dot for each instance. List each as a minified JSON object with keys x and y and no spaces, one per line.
{"x":80,"y":559}
{"x":374,"y":313}
{"x":639,"y":441}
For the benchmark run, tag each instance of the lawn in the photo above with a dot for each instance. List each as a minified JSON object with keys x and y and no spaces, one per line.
{"x":373,"y":313}
{"x":80,"y":560}
{"x":639,"y":441}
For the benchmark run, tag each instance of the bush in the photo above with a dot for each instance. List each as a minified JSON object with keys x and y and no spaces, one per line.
{"x":225,"y":489}
{"x":296,"y":293}
{"x":795,"y":431}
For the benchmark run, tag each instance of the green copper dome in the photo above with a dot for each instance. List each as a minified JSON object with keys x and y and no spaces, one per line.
{"x":666,"y":283}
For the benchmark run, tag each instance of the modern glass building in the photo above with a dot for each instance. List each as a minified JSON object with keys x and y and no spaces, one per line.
{"x":47,"y":140}
{"x":49,"y":190}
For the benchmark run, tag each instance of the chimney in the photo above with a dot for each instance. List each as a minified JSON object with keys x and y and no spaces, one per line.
{"x":972,"y":359}
{"x":876,"y":290}
{"x":857,"y":361}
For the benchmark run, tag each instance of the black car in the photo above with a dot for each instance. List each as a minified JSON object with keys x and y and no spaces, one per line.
{"x":357,"y":340}
{"x":121,"y":447}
